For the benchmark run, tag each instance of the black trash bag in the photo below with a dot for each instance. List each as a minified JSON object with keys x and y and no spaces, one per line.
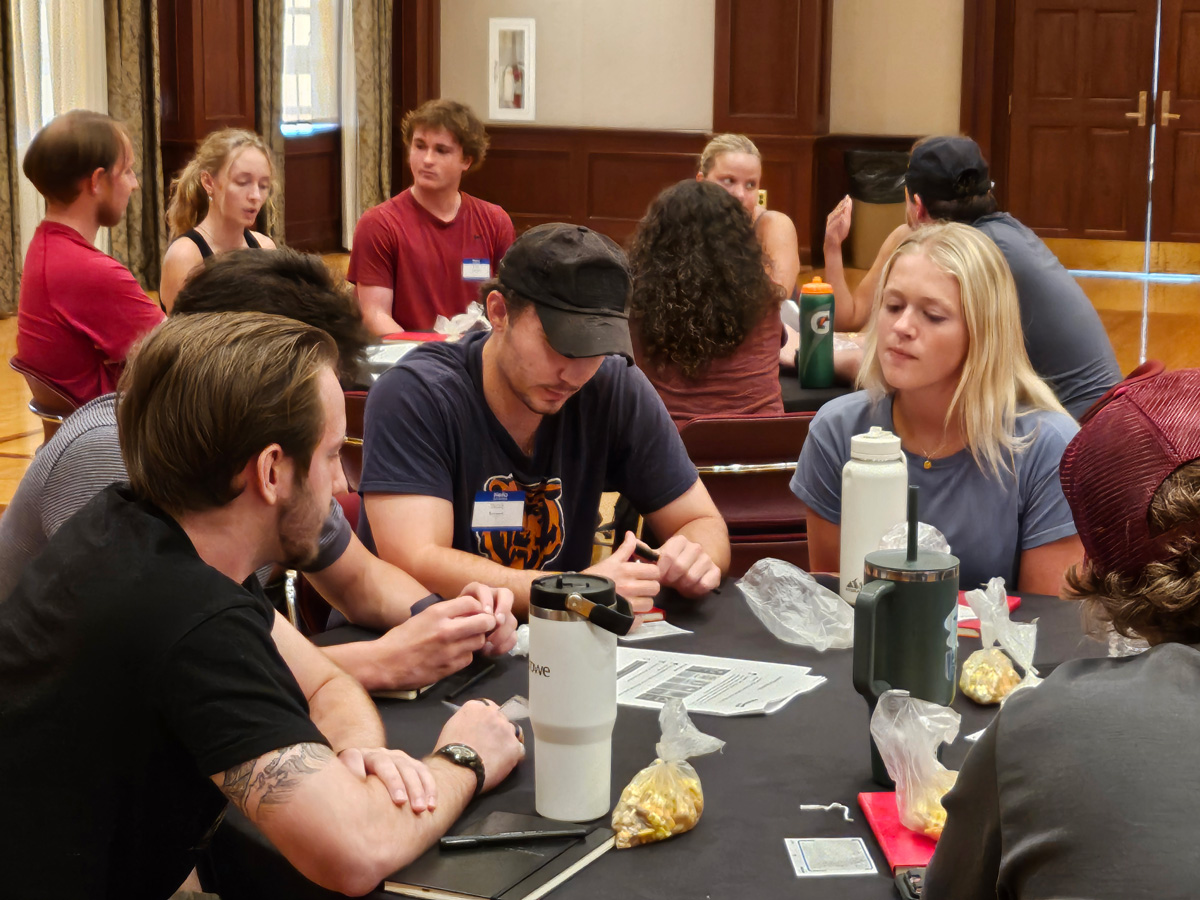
{"x":877,"y":176}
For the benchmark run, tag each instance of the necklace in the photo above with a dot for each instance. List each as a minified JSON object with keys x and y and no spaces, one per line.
{"x":928,"y":464}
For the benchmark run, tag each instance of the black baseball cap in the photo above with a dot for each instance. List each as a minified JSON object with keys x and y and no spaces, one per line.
{"x":947,"y":168}
{"x":578,"y":280}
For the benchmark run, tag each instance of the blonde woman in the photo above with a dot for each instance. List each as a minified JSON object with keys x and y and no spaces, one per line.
{"x":733,"y":162}
{"x":946,"y":370}
{"x":215,"y":201}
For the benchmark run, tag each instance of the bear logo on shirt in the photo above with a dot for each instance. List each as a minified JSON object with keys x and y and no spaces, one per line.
{"x":540,"y":541}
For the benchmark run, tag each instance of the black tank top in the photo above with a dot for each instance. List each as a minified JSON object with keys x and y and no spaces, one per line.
{"x":206,"y":251}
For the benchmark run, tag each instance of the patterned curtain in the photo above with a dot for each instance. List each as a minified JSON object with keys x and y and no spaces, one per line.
{"x":373,"y":85}
{"x":10,"y":223}
{"x":131,"y":43}
{"x":268,"y":106}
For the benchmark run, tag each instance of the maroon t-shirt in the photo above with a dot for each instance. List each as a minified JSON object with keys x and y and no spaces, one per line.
{"x":401,"y":245}
{"x":743,"y":383}
{"x":79,"y":313}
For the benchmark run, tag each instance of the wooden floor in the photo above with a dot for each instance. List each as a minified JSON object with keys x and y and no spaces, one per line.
{"x":1173,"y":335}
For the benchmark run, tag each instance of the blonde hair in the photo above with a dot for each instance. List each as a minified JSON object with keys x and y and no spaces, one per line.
{"x":189,"y":200}
{"x":726,"y":143}
{"x":997,"y":383}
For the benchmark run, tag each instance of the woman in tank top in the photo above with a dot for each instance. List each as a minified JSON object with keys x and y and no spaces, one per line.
{"x":214,"y":203}
{"x":733,"y":162}
{"x":704,"y":315}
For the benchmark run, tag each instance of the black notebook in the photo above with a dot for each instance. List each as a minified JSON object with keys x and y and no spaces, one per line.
{"x":522,"y":871}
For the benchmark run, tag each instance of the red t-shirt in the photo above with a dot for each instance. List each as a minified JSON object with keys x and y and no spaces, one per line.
{"x":79,"y":312}
{"x":744,"y":383}
{"x":401,"y":245}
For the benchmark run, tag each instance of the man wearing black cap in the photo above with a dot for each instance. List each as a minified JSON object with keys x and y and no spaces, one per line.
{"x":1084,"y":786}
{"x":486,"y":458}
{"x":947,"y":179}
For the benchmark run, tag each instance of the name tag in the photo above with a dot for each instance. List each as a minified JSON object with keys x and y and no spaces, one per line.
{"x":498,"y":511}
{"x":477,"y":269}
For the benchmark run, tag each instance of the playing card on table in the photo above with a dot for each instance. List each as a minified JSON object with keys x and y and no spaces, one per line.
{"x":829,"y":856}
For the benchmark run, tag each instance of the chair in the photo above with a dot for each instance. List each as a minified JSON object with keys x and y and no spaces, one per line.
{"x":49,"y":403}
{"x":352,"y":452}
{"x":746,"y":463}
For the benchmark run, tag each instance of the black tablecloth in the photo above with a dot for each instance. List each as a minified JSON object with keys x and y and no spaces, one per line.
{"x":812,"y":751}
{"x":798,"y":399}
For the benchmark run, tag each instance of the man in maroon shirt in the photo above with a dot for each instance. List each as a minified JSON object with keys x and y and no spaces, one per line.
{"x":426,"y":251}
{"x":80,"y":310}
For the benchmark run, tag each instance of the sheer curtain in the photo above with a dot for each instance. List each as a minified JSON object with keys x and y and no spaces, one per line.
{"x":366,"y":109}
{"x":59,"y":62}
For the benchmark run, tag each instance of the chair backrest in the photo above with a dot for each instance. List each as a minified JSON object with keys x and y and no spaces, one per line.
{"x":746,"y":462}
{"x":49,"y":403}
{"x":356,"y":404}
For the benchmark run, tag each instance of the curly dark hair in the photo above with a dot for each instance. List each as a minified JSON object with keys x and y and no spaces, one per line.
{"x":699,"y":285}
{"x":1162,"y":602}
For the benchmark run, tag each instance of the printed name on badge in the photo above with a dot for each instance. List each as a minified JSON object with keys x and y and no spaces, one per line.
{"x":477,"y":269}
{"x":498,"y":511}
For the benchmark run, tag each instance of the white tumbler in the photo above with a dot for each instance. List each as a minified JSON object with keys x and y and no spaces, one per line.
{"x":874,"y":498}
{"x":573,"y":692}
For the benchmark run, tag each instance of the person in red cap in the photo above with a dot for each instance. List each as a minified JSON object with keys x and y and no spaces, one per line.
{"x":1083,"y":787}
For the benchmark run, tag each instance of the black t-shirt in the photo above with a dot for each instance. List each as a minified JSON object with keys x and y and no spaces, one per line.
{"x":130,"y":673}
{"x":429,"y":430}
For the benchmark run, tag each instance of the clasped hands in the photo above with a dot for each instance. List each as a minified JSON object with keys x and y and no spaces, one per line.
{"x":682,"y":565}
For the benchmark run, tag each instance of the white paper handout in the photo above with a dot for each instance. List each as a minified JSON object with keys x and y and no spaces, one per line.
{"x":649,"y":630}
{"x":708,"y":684}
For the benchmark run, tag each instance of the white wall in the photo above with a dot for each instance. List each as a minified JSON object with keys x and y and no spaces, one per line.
{"x":896,"y":67}
{"x":600,"y":63}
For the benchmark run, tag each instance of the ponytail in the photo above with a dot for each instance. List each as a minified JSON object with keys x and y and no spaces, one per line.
{"x":189,"y":200}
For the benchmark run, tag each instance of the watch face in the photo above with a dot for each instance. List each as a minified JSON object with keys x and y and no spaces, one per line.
{"x":462,"y":755}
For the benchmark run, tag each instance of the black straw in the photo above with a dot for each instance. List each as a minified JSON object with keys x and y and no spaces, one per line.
{"x":912,"y":523}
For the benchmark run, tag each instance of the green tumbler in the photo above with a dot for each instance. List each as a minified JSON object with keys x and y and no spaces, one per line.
{"x":906,"y":631}
{"x":814,"y":359}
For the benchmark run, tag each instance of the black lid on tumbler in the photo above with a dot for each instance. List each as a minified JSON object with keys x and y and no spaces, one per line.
{"x":551,"y":591}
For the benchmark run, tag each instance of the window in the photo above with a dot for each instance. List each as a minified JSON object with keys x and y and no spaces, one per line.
{"x":311,"y":39}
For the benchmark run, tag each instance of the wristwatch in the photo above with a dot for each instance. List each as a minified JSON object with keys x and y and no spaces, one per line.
{"x":462,"y":755}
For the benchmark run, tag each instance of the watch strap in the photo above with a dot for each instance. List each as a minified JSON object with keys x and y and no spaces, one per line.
{"x":468,"y":758}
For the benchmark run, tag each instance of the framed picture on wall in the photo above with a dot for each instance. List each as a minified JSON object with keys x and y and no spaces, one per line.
{"x":511,"y":69}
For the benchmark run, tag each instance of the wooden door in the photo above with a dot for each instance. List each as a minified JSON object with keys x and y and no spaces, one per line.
{"x":1176,"y":213}
{"x":1078,"y":153}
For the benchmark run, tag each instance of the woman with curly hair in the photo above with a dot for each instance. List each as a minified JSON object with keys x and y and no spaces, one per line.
{"x":1045,"y":799}
{"x":945,"y":369}
{"x":215,"y":202}
{"x":704,"y":315}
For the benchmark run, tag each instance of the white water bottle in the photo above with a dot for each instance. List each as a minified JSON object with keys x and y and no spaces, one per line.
{"x":874,"y":498}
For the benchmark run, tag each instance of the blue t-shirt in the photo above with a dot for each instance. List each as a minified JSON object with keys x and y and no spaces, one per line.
{"x":428,"y":430}
{"x":987,"y":521}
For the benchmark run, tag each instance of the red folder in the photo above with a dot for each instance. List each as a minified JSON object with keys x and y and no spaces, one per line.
{"x":901,"y":847}
{"x":970,"y":627}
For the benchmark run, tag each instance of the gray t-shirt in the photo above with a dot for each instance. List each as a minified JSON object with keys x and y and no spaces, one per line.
{"x":987,"y":521}
{"x":82,"y":459}
{"x":1064,"y":336}
{"x":1082,"y":787}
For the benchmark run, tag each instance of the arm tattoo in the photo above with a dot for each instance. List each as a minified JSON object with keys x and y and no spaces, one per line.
{"x":278,"y":775}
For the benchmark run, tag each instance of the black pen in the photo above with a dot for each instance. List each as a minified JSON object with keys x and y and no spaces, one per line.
{"x":474,"y":679}
{"x":645,"y":551}
{"x":456,"y":841}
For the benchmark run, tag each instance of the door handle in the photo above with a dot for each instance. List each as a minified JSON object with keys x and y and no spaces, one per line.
{"x":1140,"y":115}
{"x":1167,"y":115}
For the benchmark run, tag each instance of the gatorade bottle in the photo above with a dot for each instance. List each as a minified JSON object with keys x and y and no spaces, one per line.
{"x":814,"y":359}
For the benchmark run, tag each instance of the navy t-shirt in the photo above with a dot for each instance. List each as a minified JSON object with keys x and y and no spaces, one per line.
{"x":429,"y":431}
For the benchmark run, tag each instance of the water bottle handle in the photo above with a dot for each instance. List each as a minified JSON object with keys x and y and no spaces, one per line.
{"x":866,"y":606}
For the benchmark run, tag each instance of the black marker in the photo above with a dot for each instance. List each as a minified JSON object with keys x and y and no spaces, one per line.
{"x":473,"y":680}
{"x":457,"y":841}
